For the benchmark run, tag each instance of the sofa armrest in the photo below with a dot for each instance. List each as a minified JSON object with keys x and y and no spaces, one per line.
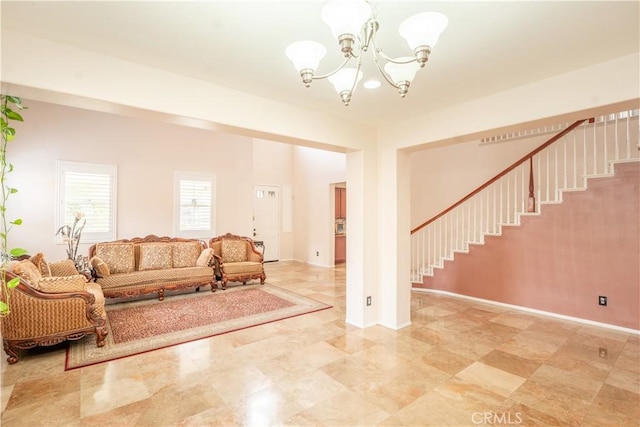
{"x":35,"y":313}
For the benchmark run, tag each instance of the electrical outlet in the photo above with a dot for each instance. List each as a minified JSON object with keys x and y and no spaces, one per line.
{"x":317,"y":253}
{"x":368,"y":301}
{"x":603,"y":353}
{"x":602,"y":300}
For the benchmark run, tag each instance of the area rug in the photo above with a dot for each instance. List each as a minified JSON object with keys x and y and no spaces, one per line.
{"x":139,"y":326}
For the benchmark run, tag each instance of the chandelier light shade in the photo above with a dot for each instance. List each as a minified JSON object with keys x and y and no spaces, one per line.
{"x":306,"y":56}
{"x":422,"y":32}
{"x":423,"y":29}
{"x":354,"y":25}
{"x":402,"y":73}
{"x":346,"y":17}
{"x":344,"y":81}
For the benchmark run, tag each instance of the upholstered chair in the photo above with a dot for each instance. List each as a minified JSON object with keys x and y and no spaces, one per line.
{"x":237,"y":259}
{"x":47,"y":309}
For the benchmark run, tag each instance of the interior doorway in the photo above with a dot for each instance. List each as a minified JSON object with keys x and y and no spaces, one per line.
{"x":266,"y":220}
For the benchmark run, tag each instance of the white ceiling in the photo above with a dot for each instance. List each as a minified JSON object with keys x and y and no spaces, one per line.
{"x":488,"y":46}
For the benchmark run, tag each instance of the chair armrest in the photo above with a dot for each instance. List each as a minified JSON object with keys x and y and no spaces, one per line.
{"x":54,"y":284}
{"x":25,"y":288}
{"x":253,"y":254}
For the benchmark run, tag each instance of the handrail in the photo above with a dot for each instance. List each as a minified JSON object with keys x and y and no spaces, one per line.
{"x":504,"y":172}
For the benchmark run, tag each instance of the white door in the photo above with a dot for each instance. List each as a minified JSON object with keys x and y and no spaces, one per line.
{"x":266,"y":224}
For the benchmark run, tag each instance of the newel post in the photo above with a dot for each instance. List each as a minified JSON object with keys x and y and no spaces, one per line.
{"x":531,"y":204}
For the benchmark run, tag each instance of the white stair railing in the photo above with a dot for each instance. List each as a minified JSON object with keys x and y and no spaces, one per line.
{"x":583,"y":150}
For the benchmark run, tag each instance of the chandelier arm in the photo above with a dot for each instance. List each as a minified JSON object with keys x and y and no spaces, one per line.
{"x":340,"y":67}
{"x":355,"y":79}
{"x":384,"y":74}
{"x":386,"y":58}
{"x":378,"y":51}
{"x":376,"y":60}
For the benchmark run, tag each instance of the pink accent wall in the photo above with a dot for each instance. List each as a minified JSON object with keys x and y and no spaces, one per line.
{"x":562,"y":260}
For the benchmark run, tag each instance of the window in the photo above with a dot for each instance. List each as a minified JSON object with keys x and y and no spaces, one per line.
{"x":88,"y":188}
{"x":195,"y":203}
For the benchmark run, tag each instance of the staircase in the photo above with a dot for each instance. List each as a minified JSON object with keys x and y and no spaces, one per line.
{"x":585,"y":149}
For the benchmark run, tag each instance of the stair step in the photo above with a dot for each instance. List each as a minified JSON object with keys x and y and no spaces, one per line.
{"x":600,"y":175}
{"x":572,"y":190}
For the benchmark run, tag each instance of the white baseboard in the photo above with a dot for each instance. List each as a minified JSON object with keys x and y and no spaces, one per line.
{"x":531,"y":310}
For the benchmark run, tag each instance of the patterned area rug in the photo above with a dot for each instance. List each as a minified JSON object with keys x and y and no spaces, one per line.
{"x":139,"y":326}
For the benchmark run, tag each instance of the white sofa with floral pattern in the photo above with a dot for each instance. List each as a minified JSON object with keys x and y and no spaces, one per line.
{"x":151,"y":264}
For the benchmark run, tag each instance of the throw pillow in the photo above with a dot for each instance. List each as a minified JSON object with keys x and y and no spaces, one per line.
{"x":29,"y":272}
{"x":234,"y":251}
{"x":100,"y":267}
{"x":62,"y":284}
{"x":155,"y":256}
{"x":41,"y":263}
{"x":63,"y":268}
{"x":205,"y":258}
{"x":185,"y":254}
{"x":118,"y":256}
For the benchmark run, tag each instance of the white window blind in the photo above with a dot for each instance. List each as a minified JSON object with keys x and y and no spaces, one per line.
{"x":89,"y":189}
{"x":195,"y":205}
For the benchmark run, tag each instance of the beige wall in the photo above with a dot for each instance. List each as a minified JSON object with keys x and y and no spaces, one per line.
{"x":314,"y":173}
{"x":107,"y":82}
{"x":273,"y":165}
{"x":147,"y":153}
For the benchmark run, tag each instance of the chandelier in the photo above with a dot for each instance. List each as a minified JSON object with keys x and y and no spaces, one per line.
{"x":355,"y":25}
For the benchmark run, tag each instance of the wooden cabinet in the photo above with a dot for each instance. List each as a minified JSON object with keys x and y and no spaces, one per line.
{"x":341,"y":202}
{"x":341,"y":249}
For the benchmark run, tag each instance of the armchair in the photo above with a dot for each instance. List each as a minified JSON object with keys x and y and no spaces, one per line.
{"x":237,"y":259}
{"x":47,"y":310}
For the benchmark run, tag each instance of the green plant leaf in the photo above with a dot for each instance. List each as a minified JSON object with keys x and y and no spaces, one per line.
{"x":16,"y":222}
{"x":8,"y":133}
{"x":10,"y":167}
{"x":16,"y":101}
{"x":17,"y":252}
{"x":12,"y":115}
{"x":13,"y":282}
{"x":13,"y":190}
{"x":4,"y":308}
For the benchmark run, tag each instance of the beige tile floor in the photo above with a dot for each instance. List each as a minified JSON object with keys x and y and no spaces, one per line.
{"x":460,"y":363}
